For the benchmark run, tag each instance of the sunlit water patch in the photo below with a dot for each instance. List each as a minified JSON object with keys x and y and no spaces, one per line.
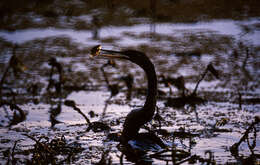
{"x":228,"y":27}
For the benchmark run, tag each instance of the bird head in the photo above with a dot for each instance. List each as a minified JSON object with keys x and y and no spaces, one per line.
{"x":134,"y":56}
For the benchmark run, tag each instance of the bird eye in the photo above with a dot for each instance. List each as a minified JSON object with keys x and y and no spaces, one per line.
{"x":95,"y":51}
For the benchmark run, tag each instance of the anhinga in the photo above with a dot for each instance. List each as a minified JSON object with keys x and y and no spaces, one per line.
{"x":137,"y":117}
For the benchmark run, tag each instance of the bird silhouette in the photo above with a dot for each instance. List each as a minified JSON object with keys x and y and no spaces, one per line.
{"x":137,"y":117}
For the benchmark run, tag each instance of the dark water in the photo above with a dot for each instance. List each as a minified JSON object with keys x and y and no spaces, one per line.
{"x":180,"y":37}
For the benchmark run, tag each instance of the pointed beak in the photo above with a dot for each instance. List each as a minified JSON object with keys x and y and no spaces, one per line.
{"x":97,"y":51}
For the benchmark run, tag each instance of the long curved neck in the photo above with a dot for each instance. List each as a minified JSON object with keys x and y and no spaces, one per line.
{"x":150,"y":102}
{"x":138,"y":117}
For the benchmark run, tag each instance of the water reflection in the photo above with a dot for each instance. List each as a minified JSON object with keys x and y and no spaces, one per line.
{"x":224,"y":27}
{"x":54,"y":112}
{"x":96,"y":26}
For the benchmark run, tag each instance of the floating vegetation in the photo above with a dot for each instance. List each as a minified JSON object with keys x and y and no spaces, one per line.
{"x":50,"y":151}
{"x":191,"y":99}
{"x":234,"y":148}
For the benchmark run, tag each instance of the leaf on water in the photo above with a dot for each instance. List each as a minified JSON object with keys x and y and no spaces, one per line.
{"x":222,"y":122}
{"x":70,"y":103}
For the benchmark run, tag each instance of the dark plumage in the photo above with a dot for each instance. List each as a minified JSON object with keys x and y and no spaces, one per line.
{"x":137,"y":117}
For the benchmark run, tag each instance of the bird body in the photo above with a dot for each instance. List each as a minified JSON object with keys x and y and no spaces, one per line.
{"x":137,"y":117}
